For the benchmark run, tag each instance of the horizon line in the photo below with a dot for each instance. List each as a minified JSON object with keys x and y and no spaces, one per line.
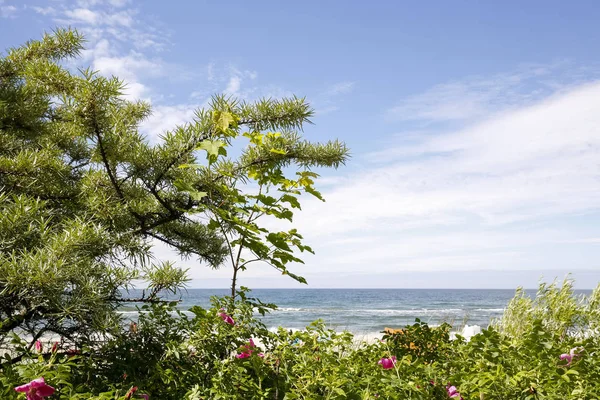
{"x":367,"y":288}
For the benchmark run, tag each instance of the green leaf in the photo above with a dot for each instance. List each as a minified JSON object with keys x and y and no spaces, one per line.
{"x":266,"y":200}
{"x":314,"y":192}
{"x":295,"y":277}
{"x":292,"y":200}
{"x":278,"y":241}
{"x":277,"y":151}
{"x":184,"y":186}
{"x":212,"y":148}
{"x":223,"y":120}
{"x":197,"y":195}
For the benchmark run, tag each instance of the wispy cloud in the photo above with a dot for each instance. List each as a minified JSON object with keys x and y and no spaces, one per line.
{"x":233,"y":81}
{"x":340,"y":88}
{"x":167,"y":117}
{"x":234,"y":85}
{"x":120,"y":42}
{"x":478,"y":197}
{"x":45,"y":10}
{"x":132,"y":66}
{"x":329,"y":100}
{"x":93,"y":3}
{"x":477,"y":97}
{"x":7,"y":10}
{"x":88,"y":16}
{"x":229,"y":79}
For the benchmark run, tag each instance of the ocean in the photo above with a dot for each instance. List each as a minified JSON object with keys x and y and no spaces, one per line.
{"x":369,"y":311}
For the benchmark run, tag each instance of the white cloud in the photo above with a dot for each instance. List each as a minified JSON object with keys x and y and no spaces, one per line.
{"x":103,"y":19}
{"x":234,"y":85}
{"x":167,"y":117}
{"x":231,"y":80}
{"x":482,"y":197}
{"x":83,"y":15}
{"x":210,"y":72}
{"x":473,"y":198}
{"x":122,"y":18}
{"x":131,"y":67}
{"x":94,"y":17}
{"x":93,"y":3}
{"x":235,"y":80}
{"x":340,"y":88}
{"x":119,"y":3}
{"x":120,"y":43}
{"x":88,"y":3}
{"x":7,"y":10}
{"x":45,"y":10}
{"x":128,"y":66}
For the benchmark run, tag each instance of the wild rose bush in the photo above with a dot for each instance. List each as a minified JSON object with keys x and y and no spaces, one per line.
{"x":226,"y":352}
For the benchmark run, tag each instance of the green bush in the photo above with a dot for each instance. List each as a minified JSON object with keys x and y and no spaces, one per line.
{"x":169,"y":354}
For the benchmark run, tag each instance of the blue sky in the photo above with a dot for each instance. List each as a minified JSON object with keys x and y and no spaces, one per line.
{"x":474,"y":126}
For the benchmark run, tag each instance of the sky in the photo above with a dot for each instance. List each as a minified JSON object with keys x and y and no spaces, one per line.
{"x":474,"y":127}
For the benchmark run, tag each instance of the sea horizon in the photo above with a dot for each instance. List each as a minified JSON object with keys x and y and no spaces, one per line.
{"x":366,"y":311}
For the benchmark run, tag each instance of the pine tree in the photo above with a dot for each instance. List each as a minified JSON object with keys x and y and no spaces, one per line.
{"x":83,"y":194}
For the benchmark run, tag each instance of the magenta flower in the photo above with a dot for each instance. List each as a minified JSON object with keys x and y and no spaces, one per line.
{"x":575,"y":352}
{"x":226,"y":318}
{"x":387,"y":363}
{"x":567,"y":357}
{"x":248,"y":350}
{"x":453,"y":392}
{"x":37,"y":389}
{"x":38,"y":346}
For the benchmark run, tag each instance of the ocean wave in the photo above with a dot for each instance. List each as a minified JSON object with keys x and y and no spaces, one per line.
{"x":413,"y":311}
{"x":375,"y":311}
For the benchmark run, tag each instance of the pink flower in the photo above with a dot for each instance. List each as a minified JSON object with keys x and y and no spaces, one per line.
{"x":37,"y":389}
{"x":388,"y":363}
{"x":567,"y":357}
{"x":54,"y":347}
{"x":145,"y":396}
{"x":453,"y":392}
{"x":131,"y":392}
{"x":248,"y":350}
{"x":575,"y":352}
{"x":226,"y":318}
{"x":38,"y":346}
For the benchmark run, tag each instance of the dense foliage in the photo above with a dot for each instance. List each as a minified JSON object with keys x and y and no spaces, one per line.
{"x":226,"y":353}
